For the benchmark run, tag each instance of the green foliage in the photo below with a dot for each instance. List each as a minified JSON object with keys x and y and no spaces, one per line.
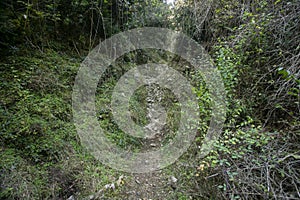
{"x":151,"y":13}
{"x":229,"y":65}
{"x":40,"y":155}
{"x":248,"y":162}
{"x":235,"y":145}
{"x":36,"y":109}
{"x":20,"y":180}
{"x":269,"y":77}
{"x":75,"y":24}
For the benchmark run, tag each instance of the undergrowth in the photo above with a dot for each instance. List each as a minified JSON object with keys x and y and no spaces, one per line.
{"x":42,"y":158}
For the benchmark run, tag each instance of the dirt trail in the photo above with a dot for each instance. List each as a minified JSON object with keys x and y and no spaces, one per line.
{"x":155,"y":185}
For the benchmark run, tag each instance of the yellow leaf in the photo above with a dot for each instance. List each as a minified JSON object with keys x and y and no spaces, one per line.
{"x":201,"y":167}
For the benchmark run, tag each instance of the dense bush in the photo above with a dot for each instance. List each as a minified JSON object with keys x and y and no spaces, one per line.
{"x":255,"y":46}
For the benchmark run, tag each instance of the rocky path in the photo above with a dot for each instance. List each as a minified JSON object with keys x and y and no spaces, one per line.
{"x":156,"y":185}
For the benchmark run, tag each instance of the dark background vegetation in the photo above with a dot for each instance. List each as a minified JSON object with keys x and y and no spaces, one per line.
{"x":255,"y":45}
